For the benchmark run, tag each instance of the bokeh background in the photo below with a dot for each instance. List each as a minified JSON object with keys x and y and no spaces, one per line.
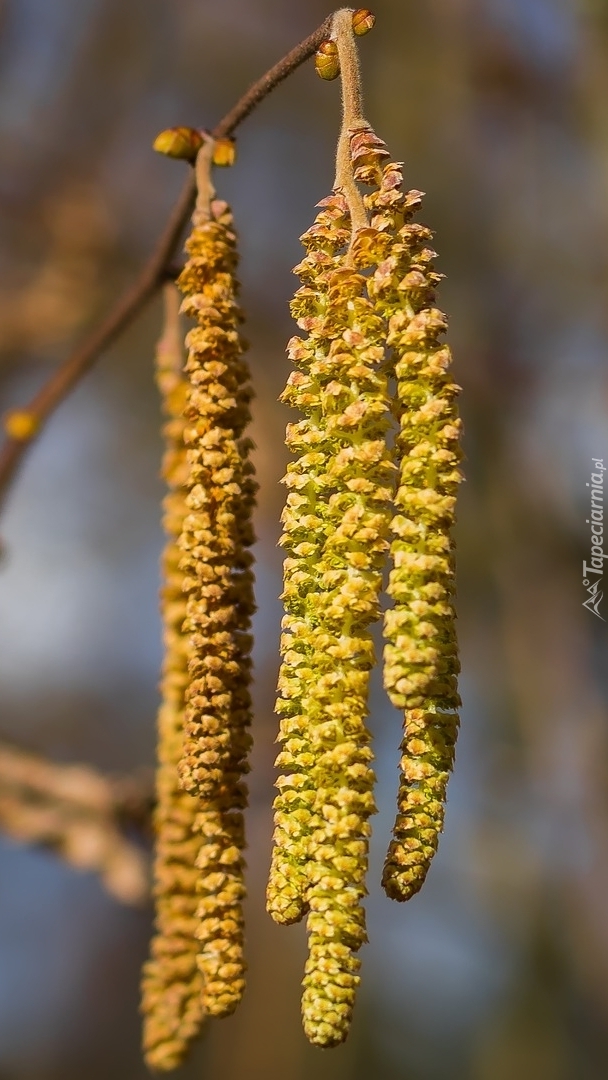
{"x":499,"y":968}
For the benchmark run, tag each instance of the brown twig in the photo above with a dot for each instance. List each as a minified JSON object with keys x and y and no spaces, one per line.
{"x":68,"y":374}
{"x":88,"y":819}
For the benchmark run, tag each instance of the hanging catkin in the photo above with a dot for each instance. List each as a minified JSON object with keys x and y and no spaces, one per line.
{"x":218,"y":583}
{"x":366,"y":303}
{"x":336,"y":521}
{"x":172,"y":985}
{"x":336,"y":524}
{"x":421,"y":657}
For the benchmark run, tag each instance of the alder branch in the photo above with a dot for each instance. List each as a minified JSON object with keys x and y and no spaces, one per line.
{"x":84,"y":817}
{"x":154,"y":272}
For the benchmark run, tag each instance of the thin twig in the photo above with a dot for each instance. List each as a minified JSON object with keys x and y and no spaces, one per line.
{"x":93,"y":822}
{"x":272,"y":78}
{"x":68,"y":374}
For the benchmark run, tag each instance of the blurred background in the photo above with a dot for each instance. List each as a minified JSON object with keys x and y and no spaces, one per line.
{"x":499,"y":968}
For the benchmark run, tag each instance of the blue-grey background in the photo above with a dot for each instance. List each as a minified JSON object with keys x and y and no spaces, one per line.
{"x":499,"y":108}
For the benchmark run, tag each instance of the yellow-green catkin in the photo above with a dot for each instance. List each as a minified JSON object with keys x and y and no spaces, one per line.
{"x":336,"y":526}
{"x":306,"y":531}
{"x":218,"y":583}
{"x":172,"y":985}
{"x":336,"y":523}
{"x":421,"y":657}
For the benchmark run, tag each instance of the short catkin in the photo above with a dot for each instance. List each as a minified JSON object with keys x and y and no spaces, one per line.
{"x":218,"y":583}
{"x":172,"y":985}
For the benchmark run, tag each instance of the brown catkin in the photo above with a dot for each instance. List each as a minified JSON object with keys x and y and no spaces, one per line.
{"x":172,"y":985}
{"x":218,"y":583}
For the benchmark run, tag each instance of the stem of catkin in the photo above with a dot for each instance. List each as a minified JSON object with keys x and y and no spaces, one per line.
{"x":352,"y":115}
{"x":205,"y":191}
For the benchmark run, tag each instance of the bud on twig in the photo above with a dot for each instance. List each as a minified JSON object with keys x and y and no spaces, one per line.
{"x":179,"y":142}
{"x":327,"y":64}
{"x":21,"y":424}
{"x":224,"y":152}
{"x":363,"y":21}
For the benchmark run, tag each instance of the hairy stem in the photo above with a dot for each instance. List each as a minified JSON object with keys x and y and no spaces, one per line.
{"x":352,"y":115}
{"x":205,"y":191}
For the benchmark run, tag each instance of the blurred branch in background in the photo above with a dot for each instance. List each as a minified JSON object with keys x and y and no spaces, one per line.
{"x":94,"y":822}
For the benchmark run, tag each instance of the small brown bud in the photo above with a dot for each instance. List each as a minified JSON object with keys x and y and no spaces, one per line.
{"x":363,"y":21}
{"x":179,"y":142}
{"x":224,"y":152}
{"x":327,"y":64}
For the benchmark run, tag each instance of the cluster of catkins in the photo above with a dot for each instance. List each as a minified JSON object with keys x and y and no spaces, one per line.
{"x":373,"y":479}
{"x":372,"y":351}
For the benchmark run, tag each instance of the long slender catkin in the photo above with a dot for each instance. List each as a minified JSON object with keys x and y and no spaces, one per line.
{"x":218,"y":583}
{"x":336,"y":524}
{"x":364,"y":307}
{"x":421,"y":656}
